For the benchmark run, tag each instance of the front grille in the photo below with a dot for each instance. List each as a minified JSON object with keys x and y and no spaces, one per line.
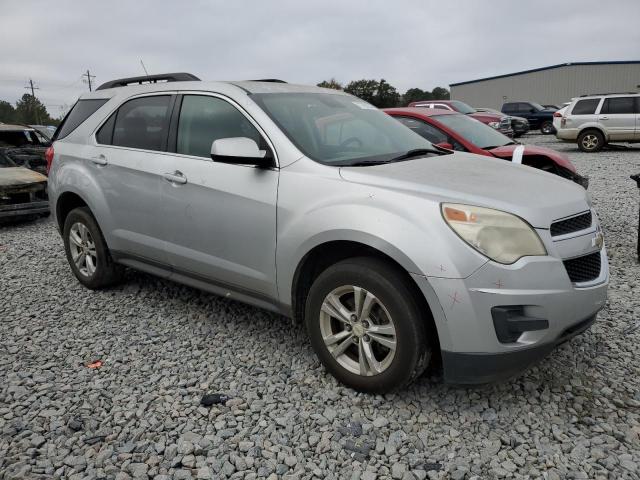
{"x":570,"y":225}
{"x":583,"y":269}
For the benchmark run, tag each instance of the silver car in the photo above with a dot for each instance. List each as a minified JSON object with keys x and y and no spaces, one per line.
{"x":393,"y":253}
{"x":595,"y":120}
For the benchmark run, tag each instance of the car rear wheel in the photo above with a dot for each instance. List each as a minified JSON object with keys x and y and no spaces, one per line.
{"x":590,"y":141}
{"x":87,"y":251}
{"x":547,"y":127}
{"x":365,"y":325}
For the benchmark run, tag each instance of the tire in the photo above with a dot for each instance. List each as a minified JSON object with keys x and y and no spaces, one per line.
{"x":393,"y":307}
{"x":546,"y":127}
{"x":95,"y":268}
{"x":590,"y":141}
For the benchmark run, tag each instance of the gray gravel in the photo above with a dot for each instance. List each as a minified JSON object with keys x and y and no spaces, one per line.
{"x":575,"y":415}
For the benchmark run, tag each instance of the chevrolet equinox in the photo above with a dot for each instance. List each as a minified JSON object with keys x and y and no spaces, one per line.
{"x":394,"y":253}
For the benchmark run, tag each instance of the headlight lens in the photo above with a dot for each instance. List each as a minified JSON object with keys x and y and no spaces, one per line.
{"x":502,"y":237}
{"x":494,"y":124}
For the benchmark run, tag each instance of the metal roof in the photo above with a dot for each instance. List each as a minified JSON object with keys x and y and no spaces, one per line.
{"x":560,"y":65}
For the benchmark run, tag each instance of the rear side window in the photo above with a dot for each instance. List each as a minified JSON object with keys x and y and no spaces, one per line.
{"x":140,"y":123}
{"x":585,"y":107}
{"x":425,"y":130}
{"x":618,"y":105}
{"x":204,"y":119}
{"x":82,"y":110}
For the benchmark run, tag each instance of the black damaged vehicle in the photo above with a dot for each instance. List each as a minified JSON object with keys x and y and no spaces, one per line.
{"x":25,"y":146}
{"x":23,"y":192}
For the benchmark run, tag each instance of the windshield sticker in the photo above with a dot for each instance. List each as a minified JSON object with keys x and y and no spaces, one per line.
{"x":364,"y":105}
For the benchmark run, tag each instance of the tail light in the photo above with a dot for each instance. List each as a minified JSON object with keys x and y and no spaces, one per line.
{"x":48,"y":156}
{"x":557,"y":114}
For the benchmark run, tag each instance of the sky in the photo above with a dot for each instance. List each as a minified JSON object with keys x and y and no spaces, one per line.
{"x":409,"y":43}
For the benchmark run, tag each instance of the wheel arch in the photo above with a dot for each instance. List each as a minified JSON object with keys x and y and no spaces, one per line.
{"x":591,"y":126}
{"x":327,"y":253}
{"x":66,"y":202}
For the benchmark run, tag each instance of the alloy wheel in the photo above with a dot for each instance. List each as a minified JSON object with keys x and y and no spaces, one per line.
{"x":358,"y":330}
{"x":83,"y":249}
{"x":590,"y":141}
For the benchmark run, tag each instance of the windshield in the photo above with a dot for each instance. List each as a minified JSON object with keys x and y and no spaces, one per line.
{"x":472,"y":130}
{"x":462,"y":107}
{"x":19,"y":138}
{"x":339,"y":129}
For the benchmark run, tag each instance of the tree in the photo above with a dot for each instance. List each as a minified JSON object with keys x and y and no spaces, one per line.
{"x":7,"y":112}
{"x":333,"y":83}
{"x":364,"y":89}
{"x":30,"y":110}
{"x":440,"y":93}
{"x":416,"y":95}
{"x":378,"y":93}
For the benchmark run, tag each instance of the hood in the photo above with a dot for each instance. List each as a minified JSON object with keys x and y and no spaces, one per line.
{"x":15,"y":176}
{"x":558,"y":158}
{"x":485,"y":117}
{"x":532,"y":194}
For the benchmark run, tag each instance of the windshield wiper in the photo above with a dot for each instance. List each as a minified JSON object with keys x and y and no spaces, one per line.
{"x":417,"y":152}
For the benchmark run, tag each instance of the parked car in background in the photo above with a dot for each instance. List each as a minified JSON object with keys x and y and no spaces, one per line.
{"x":25,"y":146}
{"x":458,"y":132}
{"x":371,"y":229}
{"x":497,"y":121}
{"x":519,"y":125}
{"x":23,"y":192}
{"x":539,"y":117}
{"x":551,"y":107}
{"x":46,"y":130}
{"x":593,"y":121}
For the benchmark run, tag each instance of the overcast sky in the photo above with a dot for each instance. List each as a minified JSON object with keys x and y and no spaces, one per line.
{"x":410,"y":43}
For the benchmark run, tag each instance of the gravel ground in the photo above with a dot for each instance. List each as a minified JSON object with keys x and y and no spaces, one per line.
{"x":575,"y":415}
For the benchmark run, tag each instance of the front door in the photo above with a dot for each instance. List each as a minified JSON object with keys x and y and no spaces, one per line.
{"x":618,"y":117}
{"x":219,"y":219}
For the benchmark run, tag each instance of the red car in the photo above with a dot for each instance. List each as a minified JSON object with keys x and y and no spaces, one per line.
{"x":499,"y":121}
{"x":455,"y":131}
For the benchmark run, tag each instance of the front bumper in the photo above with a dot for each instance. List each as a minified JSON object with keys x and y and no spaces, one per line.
{"x":539,"y":286}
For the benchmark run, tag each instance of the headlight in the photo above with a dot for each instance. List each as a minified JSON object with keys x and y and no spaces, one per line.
{"x":495,"y":125}
{"x":498,"y":235}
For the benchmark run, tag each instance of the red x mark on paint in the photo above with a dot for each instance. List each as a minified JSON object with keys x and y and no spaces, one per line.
{"x":454,"y":299}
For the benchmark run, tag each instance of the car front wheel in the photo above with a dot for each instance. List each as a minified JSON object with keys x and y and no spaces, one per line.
{"x":87,"y":251}
{"x":590,"y":141}
{"x":366,"y":327}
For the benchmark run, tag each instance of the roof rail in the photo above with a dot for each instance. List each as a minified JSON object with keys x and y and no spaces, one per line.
{"x":610,"y":93}
{"x":272,"y":80}
{"x":161,"y":77}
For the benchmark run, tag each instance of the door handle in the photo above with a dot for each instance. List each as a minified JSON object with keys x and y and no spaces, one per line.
{"x":175,"y":177}
{"x":99,"y":160}
{"x":604,"y":118}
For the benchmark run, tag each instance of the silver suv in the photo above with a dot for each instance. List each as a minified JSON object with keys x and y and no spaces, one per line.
{"x":595,"y":120}
{"x":312,"y":203}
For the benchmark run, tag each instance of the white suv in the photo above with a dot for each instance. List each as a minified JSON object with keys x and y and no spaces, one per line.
{"x":595,"y":120}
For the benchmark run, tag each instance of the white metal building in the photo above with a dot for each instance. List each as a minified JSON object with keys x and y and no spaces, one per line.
{"x":550,"y":85}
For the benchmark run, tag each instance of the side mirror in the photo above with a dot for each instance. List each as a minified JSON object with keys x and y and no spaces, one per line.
{"x":446,"y":145}
{"x":238,"y":151}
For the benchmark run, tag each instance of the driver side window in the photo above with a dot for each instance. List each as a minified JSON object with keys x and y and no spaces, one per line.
{"x":425,"y":130}
{"x":204,"y":119}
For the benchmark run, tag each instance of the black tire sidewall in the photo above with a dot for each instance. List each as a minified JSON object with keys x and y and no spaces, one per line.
{"x":104,"y":267}
{"x":412,"y":352}
{"x":598,"y":135}
{"x":549,"y":124}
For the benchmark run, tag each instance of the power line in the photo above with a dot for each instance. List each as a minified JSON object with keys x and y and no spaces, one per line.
{"x":33,"y":99}
{"x":30,"y":86}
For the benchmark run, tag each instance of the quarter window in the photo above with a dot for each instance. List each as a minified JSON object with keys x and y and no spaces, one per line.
{"x":204,"y":119}
{"x":139,"y":123}
{"x":618,"y":105}
{"x":82,"y":110}
{"x":585,"y":107}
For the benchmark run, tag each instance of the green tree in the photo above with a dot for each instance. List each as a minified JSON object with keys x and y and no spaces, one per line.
{"x":30,"y":110}
{"x":364,"y":89}
{"x":7,"y":112}
{"x":440,"y":93}
{"x":386,"y":95}
{"x":333,"y":83}
{"x":415,"y":95}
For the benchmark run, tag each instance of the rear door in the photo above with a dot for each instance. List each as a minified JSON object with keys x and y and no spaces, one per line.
{"x":618,"y":117}
{"x":219,"y":219}
{"x":129,"y":161}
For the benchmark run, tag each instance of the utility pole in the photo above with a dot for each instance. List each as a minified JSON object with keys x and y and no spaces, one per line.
{"x":33,"y":98}
{"x":89,"y":77}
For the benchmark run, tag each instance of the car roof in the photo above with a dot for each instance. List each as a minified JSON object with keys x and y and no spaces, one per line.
{"x":248,"y":86}
{"x":600,"y":95}
{"x":421,"y":111}
{"x":6,"y":127}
